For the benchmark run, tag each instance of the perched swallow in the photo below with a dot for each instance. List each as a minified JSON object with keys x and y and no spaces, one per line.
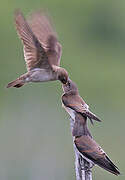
{"x":42,"y":51}
{"x":94,"y":154}
{"x":74,"y":104}
{"x":86,"y":145}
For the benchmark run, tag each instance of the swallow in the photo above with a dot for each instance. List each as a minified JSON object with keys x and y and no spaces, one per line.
{"x":93,"y":153}
{"x":73,"y":103}
{"x":42,"y":51}
{"x":88,"y":148}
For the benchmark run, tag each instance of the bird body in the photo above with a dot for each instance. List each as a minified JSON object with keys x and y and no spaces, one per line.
{"x":88,"y":148}
{"x":42,"y":51}
{"x":35,"y":75}
{"x":41,"y":75}
{"x":93,"y":153}
{"x":73,"y":103}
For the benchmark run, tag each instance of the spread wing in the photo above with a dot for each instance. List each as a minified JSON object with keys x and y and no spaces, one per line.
{"x":91,"y":150}
{"x":34,"y":53}
{"x":41,"y":26}
{"x":76,"y":103}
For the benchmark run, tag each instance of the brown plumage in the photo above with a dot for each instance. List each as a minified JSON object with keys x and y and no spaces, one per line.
{"x":42,"y":51}
{"x":73,"y":103}
{"x":80,"y":127}
{"x":92,"y":152}
{"x":87,"y":146}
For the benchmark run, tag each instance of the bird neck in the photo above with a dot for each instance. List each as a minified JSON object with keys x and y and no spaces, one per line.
{"x":86,"y":130}
{"x":72,"y":92}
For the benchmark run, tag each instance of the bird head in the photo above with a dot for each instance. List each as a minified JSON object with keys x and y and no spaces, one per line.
{"x":70,"y":86}
{"x":63,"y":76}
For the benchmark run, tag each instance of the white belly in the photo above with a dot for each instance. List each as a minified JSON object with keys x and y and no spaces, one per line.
{"x":71,"y":112}
{"x":91,"y":162}
{"x":41,"y":75}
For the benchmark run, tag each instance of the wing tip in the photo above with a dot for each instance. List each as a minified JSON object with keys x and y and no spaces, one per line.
{"x":17,"y":12}
{"x":96,"y":118}
{"x":99,"y":120}
{"x":18,"y":15}
{"x":109,"y":166}
{"x":115,"y":172}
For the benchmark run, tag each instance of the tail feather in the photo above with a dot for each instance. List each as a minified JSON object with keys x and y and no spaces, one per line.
{"x":16,"y":83}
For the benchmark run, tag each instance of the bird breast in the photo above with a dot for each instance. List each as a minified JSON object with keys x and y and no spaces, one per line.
{"x":41,"y":75}
{"x":84,"y":157}
{"x":71,"y":112}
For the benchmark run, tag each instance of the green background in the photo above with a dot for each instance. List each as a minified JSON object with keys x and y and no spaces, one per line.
{"x":35,"y":138}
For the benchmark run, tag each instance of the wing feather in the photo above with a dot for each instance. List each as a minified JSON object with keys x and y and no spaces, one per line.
{"x":76,"y":103}
{"x":41,"y":26}
{"x":90,"y":149}
{"x":34,"y":54}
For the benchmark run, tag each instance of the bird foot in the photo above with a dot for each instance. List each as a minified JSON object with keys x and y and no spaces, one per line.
{"x":85,"y":165}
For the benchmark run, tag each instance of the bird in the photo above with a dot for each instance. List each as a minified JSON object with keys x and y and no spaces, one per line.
{"x":88,"y":148}
{"x":93,"y":153}
{"x":42,"y":50}
{"x":73,"y":103}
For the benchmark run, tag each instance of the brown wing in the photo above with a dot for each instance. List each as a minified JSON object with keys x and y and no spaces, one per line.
{"x":41,"y":26}
{"x":91,"y":150}
{"x":76,"y":103}
{"x":34,"y":53}
{"x":89,"y":147}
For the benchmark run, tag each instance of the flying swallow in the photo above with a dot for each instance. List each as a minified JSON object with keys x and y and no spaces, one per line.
{"x":93,"y":153}
{"x":73,"y":103}
{"x":42,"y":51}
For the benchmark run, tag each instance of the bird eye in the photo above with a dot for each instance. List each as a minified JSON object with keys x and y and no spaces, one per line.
{"x":64,"y":80}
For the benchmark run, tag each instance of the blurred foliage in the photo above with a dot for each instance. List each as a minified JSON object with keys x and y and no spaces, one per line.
{"x":35,"y":135}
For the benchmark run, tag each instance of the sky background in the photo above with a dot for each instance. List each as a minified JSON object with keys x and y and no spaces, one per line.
{"x":35,"y":137}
